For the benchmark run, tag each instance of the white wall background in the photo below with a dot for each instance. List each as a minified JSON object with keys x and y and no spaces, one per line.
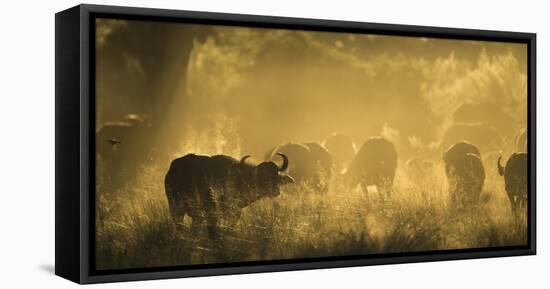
{"x":27,"y":143}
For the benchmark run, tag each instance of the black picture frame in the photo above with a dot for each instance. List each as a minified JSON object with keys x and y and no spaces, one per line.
{"x":75,"y":156}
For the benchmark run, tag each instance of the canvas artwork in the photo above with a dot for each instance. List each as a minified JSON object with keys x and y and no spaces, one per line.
{"x":228,"y":144}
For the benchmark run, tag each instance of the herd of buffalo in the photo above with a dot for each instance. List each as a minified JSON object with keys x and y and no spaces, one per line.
{"x":209,"y":187}
{"x":192,"y":180}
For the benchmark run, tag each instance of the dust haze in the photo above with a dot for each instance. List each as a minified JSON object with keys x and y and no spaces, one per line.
{"x":166,"y":90}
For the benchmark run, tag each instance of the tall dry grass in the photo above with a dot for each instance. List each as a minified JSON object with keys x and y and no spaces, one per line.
{"x":134,"y":228}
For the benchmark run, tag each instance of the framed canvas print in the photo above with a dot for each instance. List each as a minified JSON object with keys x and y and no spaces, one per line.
{"x":193,"y":144}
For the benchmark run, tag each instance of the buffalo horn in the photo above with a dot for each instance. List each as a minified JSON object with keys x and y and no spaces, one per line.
{"x":243,"y":160}
{"x":284,"y":166}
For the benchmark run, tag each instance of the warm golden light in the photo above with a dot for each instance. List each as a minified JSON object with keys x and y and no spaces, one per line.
{"x":165,"y":90}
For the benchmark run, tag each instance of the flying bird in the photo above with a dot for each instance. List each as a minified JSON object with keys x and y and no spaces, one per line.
{"x":113,"y":141}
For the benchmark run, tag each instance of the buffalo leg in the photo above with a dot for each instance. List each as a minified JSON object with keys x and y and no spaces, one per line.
{"x":196,"y":222}
{"x":389,"y":187}
{"x":364,"y":187}
{"x":176,"y":208}
{"x":516,"y":205}
{"x":211,"y":213}
{"x":177,"y":214}
{"x":212,"y":226}
{"x":174,"y":204}
{"x":382,"y":189}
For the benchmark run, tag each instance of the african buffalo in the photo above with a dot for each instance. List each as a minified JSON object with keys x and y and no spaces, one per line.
{"x":465,"y":174}
{"x":374,"y":165}
{"x":482,"y":112}
{"x":207,"y":188}
{"x":302,"y":164}
{"x":515,"y":179}
{"x":484,"y":135}
{"x":310,"y":163}
{"x":342,"y":150}
{"x":323,"y":163}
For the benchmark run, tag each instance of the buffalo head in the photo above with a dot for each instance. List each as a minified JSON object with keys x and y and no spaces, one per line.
{"x":268,"y":176}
